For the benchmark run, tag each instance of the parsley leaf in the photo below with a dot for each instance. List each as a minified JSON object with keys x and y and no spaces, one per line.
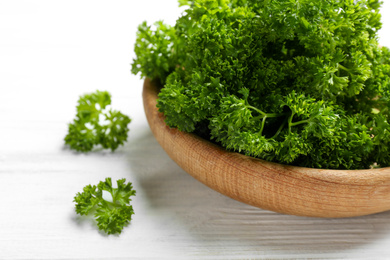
{"x":96,"y":123}
{"x":111,"y":215}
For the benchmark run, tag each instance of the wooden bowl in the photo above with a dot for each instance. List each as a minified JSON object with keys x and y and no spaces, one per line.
{"x":281,"y":188}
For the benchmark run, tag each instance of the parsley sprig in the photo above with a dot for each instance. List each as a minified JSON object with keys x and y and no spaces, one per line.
{"x":111,"y":214}
{"x":97,"y":124}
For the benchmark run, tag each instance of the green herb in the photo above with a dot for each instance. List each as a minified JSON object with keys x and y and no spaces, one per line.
{"x":96,"y":123}
{"x":301,"y":82}
{"x":113,"y":214}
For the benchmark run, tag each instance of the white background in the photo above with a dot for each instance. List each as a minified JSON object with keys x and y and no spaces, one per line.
{"x":53,"y":51}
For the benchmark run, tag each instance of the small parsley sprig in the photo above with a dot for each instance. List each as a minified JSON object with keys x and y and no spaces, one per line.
{"x":112,"y":215}
{"x":96,"y":123}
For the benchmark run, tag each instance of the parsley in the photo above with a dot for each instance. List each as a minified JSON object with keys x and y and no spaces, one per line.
{"x":111,"y":215}
{"x":96,"y":123}
{"x":300,"y":82}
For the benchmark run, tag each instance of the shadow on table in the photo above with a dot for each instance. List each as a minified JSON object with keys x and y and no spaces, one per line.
{"x":225,"y":226}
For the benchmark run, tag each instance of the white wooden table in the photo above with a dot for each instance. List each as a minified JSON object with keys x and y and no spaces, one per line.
{"x":53,"y":51}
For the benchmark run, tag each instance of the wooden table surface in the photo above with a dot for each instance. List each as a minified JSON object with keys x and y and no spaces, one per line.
{"x":53,"y":51}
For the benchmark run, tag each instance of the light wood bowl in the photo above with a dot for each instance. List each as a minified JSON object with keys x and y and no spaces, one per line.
{"x":281,"y":188}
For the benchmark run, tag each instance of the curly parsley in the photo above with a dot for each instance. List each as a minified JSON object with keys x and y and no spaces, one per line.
{"x":111,"y":214}
{"x":301,"y":82}
{"x":97,"y":124}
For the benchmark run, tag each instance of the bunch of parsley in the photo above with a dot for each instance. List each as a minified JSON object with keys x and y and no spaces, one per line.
{"x":301,"y":82}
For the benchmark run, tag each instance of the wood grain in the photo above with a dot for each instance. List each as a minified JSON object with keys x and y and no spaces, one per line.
{"x":284,"y":189}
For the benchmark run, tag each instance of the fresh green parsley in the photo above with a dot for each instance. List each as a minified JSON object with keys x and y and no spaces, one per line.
{"x":97,"y":124}
{"x":301,"y":82}
{"x":113,"y":213}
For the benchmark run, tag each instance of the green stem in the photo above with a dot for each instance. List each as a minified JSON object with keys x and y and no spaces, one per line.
{"x":300,"y":122}
{"x":257,"y":110}
{"x":263,"y":114}
{"x":290,"y":122}
{"x":262,"y":125}
{"x":280,"y":129}
{"x":344,"y":68}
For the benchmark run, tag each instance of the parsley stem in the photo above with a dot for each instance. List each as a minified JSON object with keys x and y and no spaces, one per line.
{"x":275,"y":114}
{"x":262,"y":125}
{"x":263,"y":114}
{"x":343,"y":68}
{"x":290,"y":122}
{"x":300,"y":122}
{"x":257,"y":110}
{"x":280,"y":129}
